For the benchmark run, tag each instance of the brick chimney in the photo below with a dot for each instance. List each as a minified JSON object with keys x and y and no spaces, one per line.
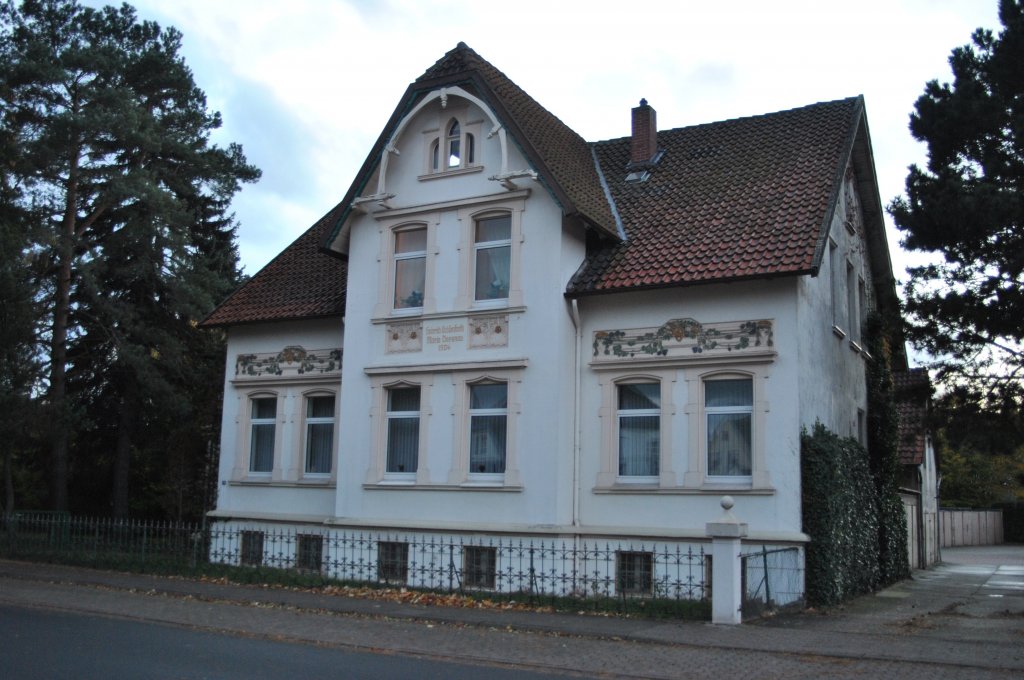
{"x":645,"y":133}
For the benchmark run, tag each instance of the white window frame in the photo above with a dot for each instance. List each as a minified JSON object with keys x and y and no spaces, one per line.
{"x":636,"y":413}
{"x":398,"y":258}
{"x":478,"y":476}
{"x":407,"y":475}
{"x":747,"y":410}
{"x":835,"y":279}
{"x":468,"y":217}
{"x":460,"y":474}
{"x":308,"y":420}
{"x":388,"y":258}
{"x":377,"y":473}
{"x":697,"y":473}
{"x":479,"y":246}
{"x":244,"y":459}
{"x":608,"y":476}
{"x":439,"y":143}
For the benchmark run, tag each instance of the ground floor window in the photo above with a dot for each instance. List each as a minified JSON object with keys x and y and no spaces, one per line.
{"x":309,"y":552}
{"x":251,"y":549}
{"x":392,"y":562}
{"x":634,"y":572}
{"x":479,"y":568}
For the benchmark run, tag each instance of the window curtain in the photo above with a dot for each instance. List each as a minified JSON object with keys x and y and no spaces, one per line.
{"x":403,"y":429}
{"x":261,"y":448}
{"x":640,"y":434}
{"x":729,"y":403}
{"x":319,"y":442}
{"x":488,"y":431}
{"x":492,"y":273}
{"x":403,"y":444}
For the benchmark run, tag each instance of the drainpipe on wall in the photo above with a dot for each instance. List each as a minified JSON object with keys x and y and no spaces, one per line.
{"x":574,"y":313}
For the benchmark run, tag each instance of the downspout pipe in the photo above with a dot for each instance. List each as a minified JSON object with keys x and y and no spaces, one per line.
{"x":577,"y":434}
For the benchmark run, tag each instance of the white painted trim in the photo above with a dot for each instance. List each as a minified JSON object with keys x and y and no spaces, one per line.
{"x":494,"y":365}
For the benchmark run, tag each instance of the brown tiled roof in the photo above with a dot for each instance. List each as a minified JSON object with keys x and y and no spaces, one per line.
{"x":303,"y":282}
{"x":912,"y":390}
{"x":564,"y":158}
{"x":736,"y":199}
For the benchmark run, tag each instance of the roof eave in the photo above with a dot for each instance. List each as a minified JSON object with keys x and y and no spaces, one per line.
{"x":689,"y":284}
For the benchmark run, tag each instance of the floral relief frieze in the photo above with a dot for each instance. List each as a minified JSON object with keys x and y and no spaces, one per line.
{"x":684,"y":337}
{"x":404,"y":337}
{"x":292,"y":360}
{"x":488,"y":331}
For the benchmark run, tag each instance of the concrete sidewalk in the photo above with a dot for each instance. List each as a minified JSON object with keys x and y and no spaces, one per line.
{"x":962,"y":619}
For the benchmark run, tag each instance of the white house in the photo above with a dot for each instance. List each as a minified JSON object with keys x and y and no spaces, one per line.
{"x":507,"y":335}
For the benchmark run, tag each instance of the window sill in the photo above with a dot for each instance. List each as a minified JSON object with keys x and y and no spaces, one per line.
{"x":706,"y":490}
{"x":839,"y":332}
{"x":450,"y":173}
{"x":388,"y":485}
{"x":855,"y":346}
{"x":418,"y":314}
{"x":300,"y":484}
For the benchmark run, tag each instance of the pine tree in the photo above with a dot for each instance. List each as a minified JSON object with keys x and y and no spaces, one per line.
{"x":114,"y":154}
{"x":967,"y":208}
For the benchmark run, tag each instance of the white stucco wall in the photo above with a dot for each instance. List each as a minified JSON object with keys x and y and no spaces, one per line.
{"x":684,"y":503}
{"x":835,"y":391}
{"x":535,"y":357}
{"x":286,"y":492}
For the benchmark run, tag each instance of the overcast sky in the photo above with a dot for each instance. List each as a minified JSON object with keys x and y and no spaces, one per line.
{"x":306,"y":85}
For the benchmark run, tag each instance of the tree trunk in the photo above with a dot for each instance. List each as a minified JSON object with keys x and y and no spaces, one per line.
{"x":59,"y":341}
{"x":9,"y":481}
{"x":123,"y":448}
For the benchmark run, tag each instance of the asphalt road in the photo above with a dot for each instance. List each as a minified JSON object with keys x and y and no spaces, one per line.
{"x":52,"y":645}
{"x":963,"y":619}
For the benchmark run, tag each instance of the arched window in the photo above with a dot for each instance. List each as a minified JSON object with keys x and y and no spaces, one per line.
{"x":455,"y":148}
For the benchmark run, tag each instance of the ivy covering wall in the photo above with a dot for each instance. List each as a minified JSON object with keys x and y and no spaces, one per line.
{"x":840,"y":514}
{"x":851,"y":503}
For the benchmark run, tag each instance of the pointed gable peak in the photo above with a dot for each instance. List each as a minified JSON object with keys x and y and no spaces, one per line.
{"x":461,"y":59}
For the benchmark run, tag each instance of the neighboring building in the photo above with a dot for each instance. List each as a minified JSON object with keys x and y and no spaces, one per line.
{"x":919,"y":481}
{"x":504,"y":332}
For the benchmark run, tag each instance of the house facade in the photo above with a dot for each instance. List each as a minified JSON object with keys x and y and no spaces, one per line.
{"x":506,"y":334}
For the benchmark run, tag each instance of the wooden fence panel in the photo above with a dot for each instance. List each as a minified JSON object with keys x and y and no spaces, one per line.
{"x":971,"y":527}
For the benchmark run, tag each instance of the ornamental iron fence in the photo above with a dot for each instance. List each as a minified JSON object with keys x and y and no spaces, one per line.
{"x":622,"y":574}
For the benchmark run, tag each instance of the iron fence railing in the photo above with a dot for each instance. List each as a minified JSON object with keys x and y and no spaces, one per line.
{"x":772,"y":578}
{"x":619,"y":573}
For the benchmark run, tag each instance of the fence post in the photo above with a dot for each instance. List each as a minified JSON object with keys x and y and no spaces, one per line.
{"x":726,"y":565}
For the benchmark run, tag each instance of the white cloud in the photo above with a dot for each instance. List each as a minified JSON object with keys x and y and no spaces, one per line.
{"x":326,"y":74}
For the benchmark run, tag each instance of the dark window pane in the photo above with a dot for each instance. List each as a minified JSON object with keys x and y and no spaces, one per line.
{"x":739,"y":392}
{"x":403,"y":444}
{"x":487,"y":436}
{"x":404,"y":399}
{"x":320,"y":407}
{"x":497,"y":228}
{"x":488,"y":396}
{"x":264,"y":407}
{"x":729,"y":444}
{"x":639,"y":396}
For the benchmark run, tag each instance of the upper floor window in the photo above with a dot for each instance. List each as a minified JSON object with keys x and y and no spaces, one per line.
{"x":410,"y":267}
{"x":263,"y":422}
{"x":319,"y":434}
{"x":456,"y":149}
{"x":728,"y":407}
{"x":403,"y":434}
{"x":639,"y":417}
{"x":488,"y":420}
{"x":493,"y":249}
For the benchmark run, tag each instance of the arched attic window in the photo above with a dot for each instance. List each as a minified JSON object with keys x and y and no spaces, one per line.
{"x":459,"y":148}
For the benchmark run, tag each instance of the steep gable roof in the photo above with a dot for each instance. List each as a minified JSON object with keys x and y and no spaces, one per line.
{"x":737,"y":199}
{"x":562,"y":159}
{"x":561,"y":156}
{"x":303,"y":282}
